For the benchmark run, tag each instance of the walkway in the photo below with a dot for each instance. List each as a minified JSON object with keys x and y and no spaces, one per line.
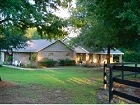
{"x":20,"y":68}
{"x":50,"y":68}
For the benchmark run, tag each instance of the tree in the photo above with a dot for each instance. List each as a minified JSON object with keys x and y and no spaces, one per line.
{"x":109,"y":24}
{"x":11,"y":37}
{"x":23,"y":14}
{"x":31,"y":33}
{"x":16,"y":16}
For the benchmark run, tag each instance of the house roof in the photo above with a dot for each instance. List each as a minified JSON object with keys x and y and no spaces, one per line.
{"x":80,"y":49}
{"x":112,"y":51}
{"x":37,"y":45}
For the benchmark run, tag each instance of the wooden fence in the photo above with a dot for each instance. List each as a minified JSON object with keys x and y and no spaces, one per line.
{"x":109,"y":79}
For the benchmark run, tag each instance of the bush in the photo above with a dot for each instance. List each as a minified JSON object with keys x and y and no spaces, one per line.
{"x":48,"y":63}
{"x":28,"y":65}
{"x":66,"y":62}
{"x":131,"y":57}
{"x":10,"y":58}
{"x":6,"y":63}
{"x":91,"y":65}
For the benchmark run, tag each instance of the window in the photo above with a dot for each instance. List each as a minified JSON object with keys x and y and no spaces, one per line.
{"x":68,"y":54}
{"x":50,"y":56}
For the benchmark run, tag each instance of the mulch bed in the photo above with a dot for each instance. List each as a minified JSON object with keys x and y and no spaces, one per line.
{"x":6,"y":84}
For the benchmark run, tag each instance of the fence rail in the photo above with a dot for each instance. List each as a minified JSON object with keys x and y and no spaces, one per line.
{"x":109,"y":79}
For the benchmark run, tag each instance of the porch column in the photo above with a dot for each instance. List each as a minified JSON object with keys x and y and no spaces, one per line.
{"x":74,"y":56}
{"x":100,"y":58}
{"x":94,"y":58}
{"x":111,"y":58}
{"x":120,"y":58}
{"x":13,"y":57}
{"x":87,"y":57}
{"x":2,"y":56}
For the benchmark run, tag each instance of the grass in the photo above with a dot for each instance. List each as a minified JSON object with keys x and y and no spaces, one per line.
{"x":82,"y":84}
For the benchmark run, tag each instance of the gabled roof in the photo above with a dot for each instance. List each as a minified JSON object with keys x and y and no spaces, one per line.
{"x":80,"y":49}
{"x":37,"y":45}
{"x":40,"y":44}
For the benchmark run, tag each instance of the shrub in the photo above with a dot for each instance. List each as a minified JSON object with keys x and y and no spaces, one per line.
{"x":29,"y":66}
{"x":48,"y":63}
{"x":6,"y":63}
{"x":66,"y":62}
{"x":91,"y":65}
{"x":10,"y":58}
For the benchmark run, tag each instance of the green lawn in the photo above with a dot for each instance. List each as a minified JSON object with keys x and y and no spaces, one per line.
{"x":81,"y":84}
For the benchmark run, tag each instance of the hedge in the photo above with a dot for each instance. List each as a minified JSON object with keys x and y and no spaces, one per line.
{"x":66,"y":62}
{"x":48,"y":63}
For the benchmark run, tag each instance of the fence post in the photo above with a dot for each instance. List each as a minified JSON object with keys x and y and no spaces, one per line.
{"x":122,"y":72}
{"x":135,"y":72}
{"x":105,"y":76}
{"x":110,"y":84}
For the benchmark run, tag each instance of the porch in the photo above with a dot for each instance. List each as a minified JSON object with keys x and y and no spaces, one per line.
{"x":85,"y":58}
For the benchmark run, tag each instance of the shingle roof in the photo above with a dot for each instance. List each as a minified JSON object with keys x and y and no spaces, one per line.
{"x":115,"y":51}
{"x":80,"y":49}
{"x":36,"y":45}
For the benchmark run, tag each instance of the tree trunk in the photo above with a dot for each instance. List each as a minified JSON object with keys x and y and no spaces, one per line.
{"x":0,"y":78}
{"x":108,"y":55}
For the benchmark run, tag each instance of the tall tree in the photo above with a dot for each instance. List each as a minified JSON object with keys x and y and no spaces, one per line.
{"x":18,"y":15}
{"x":109,"y":24}
{"x":23,"y":14}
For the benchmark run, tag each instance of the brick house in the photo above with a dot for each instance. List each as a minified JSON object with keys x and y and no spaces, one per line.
{"x":56,"y":50}
{"x":43,"y":49}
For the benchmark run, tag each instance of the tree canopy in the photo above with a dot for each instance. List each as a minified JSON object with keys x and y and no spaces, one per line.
{"x":18,"y":15}
{"x":107,"y":23}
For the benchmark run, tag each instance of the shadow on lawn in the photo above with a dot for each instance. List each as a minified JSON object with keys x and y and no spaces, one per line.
{"x":31,"y":94}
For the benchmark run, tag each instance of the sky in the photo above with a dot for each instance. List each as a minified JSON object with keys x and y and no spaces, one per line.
{"x":64,"y":13}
